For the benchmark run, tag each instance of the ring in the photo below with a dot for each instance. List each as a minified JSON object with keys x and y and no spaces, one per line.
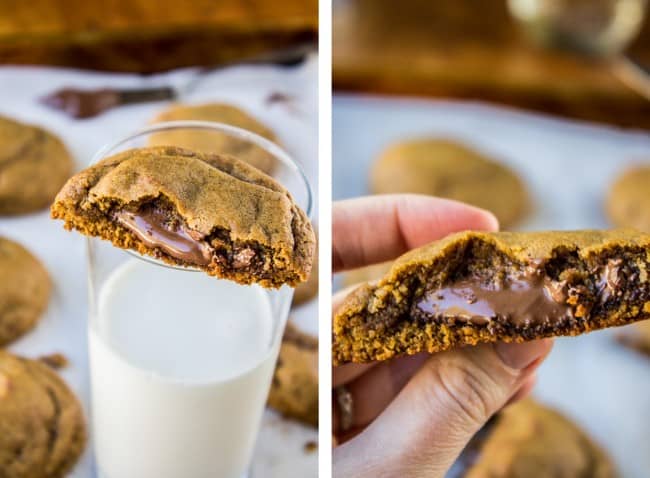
{"x":345,"y":403}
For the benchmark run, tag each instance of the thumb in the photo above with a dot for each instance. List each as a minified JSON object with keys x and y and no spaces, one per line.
{"x":422,"y":432}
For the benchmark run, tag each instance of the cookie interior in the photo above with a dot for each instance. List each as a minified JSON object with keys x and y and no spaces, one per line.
{"x":475,"y":293}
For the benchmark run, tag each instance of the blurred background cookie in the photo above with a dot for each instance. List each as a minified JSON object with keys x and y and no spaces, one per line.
{"x":309,"y":289}
{"x":628,"y":201}
{"x":294,"y":390}
{"x":42,"y":427}
{"x":444,"y":168}
{"x":34,"y":165}
{"x":636,"y":336}
{"x":529,"y":440}
{"x":24,"y":290}
{"x":212,"y":141}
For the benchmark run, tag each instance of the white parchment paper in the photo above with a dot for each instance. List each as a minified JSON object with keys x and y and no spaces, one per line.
{"x":568,"y":167}
{"x":63,"y":329}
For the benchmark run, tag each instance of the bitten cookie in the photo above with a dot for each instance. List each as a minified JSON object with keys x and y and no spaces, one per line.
{"x":447,"y":169}
{"x":528,"y":440}
{"x":474,"y":287}
{"x":24,"y":290}
{"x":294,"y":390}
{"x":214,"y":141}
{"x":215,"y":213}
{"x":42,"y":428}
{"x":628,"y":201}
{"x":34,"y":164}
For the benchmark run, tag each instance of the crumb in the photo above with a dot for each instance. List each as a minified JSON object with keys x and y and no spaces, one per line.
{"x":311,"y":446}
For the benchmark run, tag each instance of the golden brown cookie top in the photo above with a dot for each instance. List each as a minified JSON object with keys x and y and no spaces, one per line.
{"x":43,"y":428}
{"x":34,"y":164}
{"x":628,"y":201}
{"x":528,"y":440}
{"x":24,"y":290}
{"x":238,"y":222}
{"x":214,"y":141}
{"x":445,"y":168}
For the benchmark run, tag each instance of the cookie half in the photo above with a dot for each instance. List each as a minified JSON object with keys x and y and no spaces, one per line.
{"x":211,"y":212}
{"x":42,"y":427}
{"x":213,"y":141}
{"x":529,"y":440}
{"x":628,"y":201}
{"x":474,"y":287}
{"x":34,"y":164}
{"x":445,"y":168}
{"x":25,"y":288}
{"x":294,"y":390}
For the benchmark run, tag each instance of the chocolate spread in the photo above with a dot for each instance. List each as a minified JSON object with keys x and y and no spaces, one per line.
{"x":150,"y":226}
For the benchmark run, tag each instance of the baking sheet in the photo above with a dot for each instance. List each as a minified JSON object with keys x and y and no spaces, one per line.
{"x":568,"y":167}
{"x":63,"y":328}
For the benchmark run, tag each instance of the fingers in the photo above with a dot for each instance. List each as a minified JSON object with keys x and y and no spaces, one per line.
{"x":374,"y":229}
{"x":373,"y":390}
{"x":447,"y":401}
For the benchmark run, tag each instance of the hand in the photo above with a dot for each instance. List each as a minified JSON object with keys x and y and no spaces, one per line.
{"x":412,"y":416}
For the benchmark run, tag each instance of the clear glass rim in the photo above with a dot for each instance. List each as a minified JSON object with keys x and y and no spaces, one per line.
{"x":243,"y":134}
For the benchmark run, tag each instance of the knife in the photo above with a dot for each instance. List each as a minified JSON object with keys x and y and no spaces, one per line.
{"x":80,"y":103}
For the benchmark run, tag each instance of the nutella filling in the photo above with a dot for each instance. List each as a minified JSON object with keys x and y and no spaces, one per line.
{"x":151,"y":227}
{"x":523,"y":299}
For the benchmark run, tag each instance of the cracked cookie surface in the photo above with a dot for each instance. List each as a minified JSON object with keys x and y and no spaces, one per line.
{"x":42,"y":428}
{"x":475,"y":287}
{"x":24,"y":290}
{"x":213,"y":141}
{"x":212,"y":212}
{"x":34,"y":164}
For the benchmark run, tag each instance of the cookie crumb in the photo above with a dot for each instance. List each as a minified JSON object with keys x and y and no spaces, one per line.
{"x":311,"y":446}
{"x":56,"y":360}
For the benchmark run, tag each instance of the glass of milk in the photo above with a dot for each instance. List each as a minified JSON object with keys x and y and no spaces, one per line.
{"x":180,"y":362}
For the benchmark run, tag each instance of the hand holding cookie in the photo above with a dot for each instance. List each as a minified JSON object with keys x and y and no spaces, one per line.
{"x":422,"y":408}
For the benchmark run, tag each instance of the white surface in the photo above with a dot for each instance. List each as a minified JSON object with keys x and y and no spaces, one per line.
{"x":196,"y":400}
{"x":64,"y":326}
{"x":568,"y":167}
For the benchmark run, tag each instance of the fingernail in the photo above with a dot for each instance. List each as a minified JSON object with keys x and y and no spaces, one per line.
{"x":520,"y":356}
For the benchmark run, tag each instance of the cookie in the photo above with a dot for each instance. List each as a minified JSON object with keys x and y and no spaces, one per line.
{"x":294,"y":390}
{"x":212,"y":141}
{"x":214,"y":213}
{"x":365,"y":274}
{"x":309,"y":289}
{"x":474,"y":287}
{"x":42,"y":427}
{"x":529,"y":440}
{"x":34,"y":164}
{"x":444,"y":168}
{"x":637,"y":337}
{"x":24,"y":290}
{"x":628,"y":201}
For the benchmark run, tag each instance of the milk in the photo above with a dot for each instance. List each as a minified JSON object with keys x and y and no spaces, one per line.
{"x":181,"y":365}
